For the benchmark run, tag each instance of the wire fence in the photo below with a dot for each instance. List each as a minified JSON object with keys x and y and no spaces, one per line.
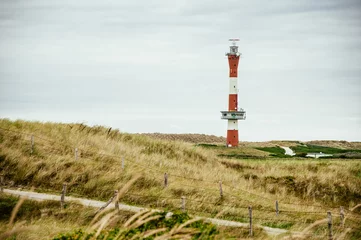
{"x":191,"y":203}
{"x":148,"y":167}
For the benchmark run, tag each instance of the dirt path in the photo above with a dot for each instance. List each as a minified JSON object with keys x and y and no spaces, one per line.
{"x":289,"y":151}
{"x":98,"y":204}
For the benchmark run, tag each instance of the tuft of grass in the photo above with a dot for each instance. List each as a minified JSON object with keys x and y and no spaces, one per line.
{"x":283,"y":225}
{"x":207,"y":145}
{"x":146,"y":225}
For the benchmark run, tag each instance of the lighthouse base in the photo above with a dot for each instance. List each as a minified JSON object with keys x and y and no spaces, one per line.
{"x":232,"y":138}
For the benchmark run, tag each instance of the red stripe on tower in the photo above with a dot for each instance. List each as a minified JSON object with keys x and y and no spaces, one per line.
{"x":233,"y":65}
{"x":232,"y":102}
{"x":233,"y":114}
{"x":232,"y":138}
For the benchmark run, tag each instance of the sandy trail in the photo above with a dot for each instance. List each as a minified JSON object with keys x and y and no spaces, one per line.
{"x":289,"y":151}
{"x":98,"y":204}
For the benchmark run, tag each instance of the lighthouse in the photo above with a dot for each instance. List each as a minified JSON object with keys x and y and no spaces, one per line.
{"x":234,"y":113}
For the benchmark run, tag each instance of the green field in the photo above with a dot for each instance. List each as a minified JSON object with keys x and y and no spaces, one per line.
{"x":275,"y":151}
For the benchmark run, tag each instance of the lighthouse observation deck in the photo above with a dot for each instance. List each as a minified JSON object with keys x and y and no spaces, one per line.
{"x":234,"y":115}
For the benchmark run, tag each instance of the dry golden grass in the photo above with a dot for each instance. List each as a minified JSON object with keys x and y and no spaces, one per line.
{"x":189,"y":137}
{"x":336,"y":144}
{"x":193,"y":172}
{"x":211,"y":139}
{"x":269,"y":144}
{"x":66,"y":221}
{"x":29,"y":224}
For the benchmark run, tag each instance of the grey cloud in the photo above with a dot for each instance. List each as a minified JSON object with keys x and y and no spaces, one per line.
{"x":148,"y":66}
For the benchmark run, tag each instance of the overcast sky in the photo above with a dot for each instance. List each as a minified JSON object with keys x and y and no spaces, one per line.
{"x":159,"y":66}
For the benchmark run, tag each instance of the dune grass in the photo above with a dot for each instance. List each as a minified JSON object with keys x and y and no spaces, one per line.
{"x":45,"y":220}
{"x":299,"y":185}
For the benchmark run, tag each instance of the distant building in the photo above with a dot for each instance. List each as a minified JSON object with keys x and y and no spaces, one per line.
{"x":318,"y":155}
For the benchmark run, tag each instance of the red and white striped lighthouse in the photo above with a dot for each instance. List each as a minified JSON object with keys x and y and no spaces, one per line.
{"x":233,"y":114}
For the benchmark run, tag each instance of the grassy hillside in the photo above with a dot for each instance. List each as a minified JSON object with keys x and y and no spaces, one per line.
{"x":336,"y":144}
{"x":191,"y":138}
{"x":211,"y":139}
{"x":309,"y":148}
{"x":301,"y":186}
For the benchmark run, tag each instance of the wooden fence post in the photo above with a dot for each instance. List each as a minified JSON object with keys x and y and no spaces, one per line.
{"x":1,"y":182}
{"x":342,"y":216}
{"x":62,"y":197}
{"x":123,"y":163}
{"x":107,"y":203}
{"x":183,"y":203}
{"x":32,"y":144}
{"x":76,"y":154}
{"x":277,"y":211}
{"x":220,"y":189}
{"x":250,"y":220}
{"x":165,"y":180}
{"x":116,"y":203}
{"x":329,"y":216}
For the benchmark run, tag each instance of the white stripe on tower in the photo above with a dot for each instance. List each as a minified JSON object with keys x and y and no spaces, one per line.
{"x":232,"y":125}
{"x":233,"y":88}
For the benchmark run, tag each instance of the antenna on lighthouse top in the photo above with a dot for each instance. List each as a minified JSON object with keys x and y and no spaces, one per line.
{"x":234,"y":40}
